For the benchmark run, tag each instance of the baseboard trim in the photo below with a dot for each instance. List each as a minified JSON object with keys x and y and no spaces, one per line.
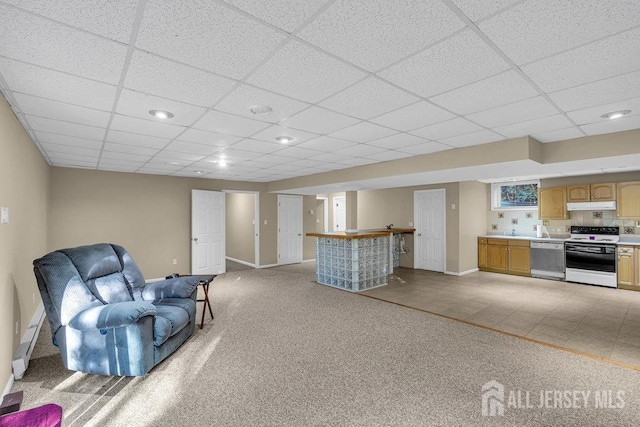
{"x":239,"y":261}
{"x":268,"y":265}
{"x":23,"y":352}
{"x":462,"y":273}
{"x":7,"y":388}
{"x":309,"y":260}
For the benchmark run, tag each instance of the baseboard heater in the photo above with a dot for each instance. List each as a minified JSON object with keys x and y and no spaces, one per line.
{"x":23,"y":352}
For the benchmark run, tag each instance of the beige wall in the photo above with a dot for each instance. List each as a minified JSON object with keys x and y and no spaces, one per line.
{"x":351,"y":205}
{"x":590,"y":179}
{"x":240,"y":215}
{"x":150,"y":215}
{"x":320,"y":215}
{"x":473,"y":221}
{"x":308,"y":225}
{"x":378,"y":208}
{"x":24,"y":189}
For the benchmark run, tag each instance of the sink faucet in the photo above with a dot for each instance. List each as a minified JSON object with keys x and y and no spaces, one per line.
{"x":513,"y":231}
{"x":389,"y":226}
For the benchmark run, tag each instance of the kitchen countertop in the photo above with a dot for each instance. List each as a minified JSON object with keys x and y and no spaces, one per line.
{"x":625,"y":240}
{"x":361,"y":234}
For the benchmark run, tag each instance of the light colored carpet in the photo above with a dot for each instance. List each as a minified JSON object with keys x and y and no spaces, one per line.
{"x":284,"y":350}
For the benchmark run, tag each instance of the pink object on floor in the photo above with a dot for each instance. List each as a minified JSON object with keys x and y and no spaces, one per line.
{"x":49,"y":415}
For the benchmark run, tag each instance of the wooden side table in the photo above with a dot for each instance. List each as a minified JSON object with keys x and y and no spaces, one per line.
{"x":204,"y":281}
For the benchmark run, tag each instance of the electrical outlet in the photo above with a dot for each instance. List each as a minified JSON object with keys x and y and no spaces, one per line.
{"x":265,"y":222}
{"x":637,"y":223}
{"x":5,"y":215}
{"x":410,"y":223}
{"x":545,"y":223}
{"x":175,"y":261}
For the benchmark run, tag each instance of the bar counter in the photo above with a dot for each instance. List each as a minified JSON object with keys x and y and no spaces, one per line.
{"x":355,"y":261}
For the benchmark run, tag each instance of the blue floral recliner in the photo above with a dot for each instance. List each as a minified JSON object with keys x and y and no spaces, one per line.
{"x":104,"y":318}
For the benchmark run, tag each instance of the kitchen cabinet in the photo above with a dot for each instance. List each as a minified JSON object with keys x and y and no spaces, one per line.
{"x":552,"y":203}
{"x":482,"y":253}
{"x":591,"y":193}
{"x":629,"y":267}
{"x":628,"y":204}
{"x":510,"y":256}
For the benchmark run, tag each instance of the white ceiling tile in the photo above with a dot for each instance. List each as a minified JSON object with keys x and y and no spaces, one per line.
{"x":182,"y":159}
{"x":145,"y":127}
{"x":558,"y":135}
{"x":356,"y":161}
{"x":216,"y":121}
{"x":326,"y":144}
{"x":121,"y":162}
{"x":112,"y":155}
{"x":475,"y":138}
{"x":414,"y":116}
{"x":619,"y":125}
{"x":42,"y":42}
{"x":271,"y":133}
{"x":455,"y":62}
{"x":136,"y":139}
{"x":360,"y":150}
{"x":158,"y":76}
{"x":600,"y":92}
{"x":68,"y":140}
{"x":498,"y":90}
{"x":257,"y":146}
{"x":319,"y":120}
{"x":114,"y":167}
{"x":155,"y":170}
{"x":298,"y":153}
{"x":258,"y":166}
{"x":363,"y":132}
{"x":83,"y":164}
{"x":532,"y":108}
{"x":304,"y":73}
{"x":368,"y":98}
{"x":237,"y":155}
{"x":52,"y":149}
{"x":138,"y":104}
{"x":41,"y":107}
{"x":536,"y":29}
{"x":603,"y":59}
{"x":397,"y":141}
{"x":113,"y":20}
{"x":192,"y":148}
{"x":374,"y":37}
{"x":72,"y":158}
{"x":426,"y":148}
{"x":454,"y":127}
{"x":285,"y":14}
{"x":593,"y":114}
{"x":388,"y":155}
{"x":529,"y":127}
{"x":241,"y":100}
{"x":476,"y":10}
{"x":34,"y":80}
{"x":307,"y":163}
{"x":123,"y":148}
{"x":276,"y":159}
{"x":207,"y":35}
{"x":209,"y":138}
{"x":65,"y":128}
{"x":331,"y":158}
{"x":283,"y":168}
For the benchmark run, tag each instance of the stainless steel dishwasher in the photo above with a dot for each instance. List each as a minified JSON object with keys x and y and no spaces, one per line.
{"x":547,"y":259}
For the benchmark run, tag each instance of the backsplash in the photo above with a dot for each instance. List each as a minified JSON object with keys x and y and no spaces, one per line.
{"x":525,"y":222}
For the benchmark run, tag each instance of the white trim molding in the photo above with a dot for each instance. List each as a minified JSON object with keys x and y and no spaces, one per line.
{"x":268,"y":265}
{"x":7,"y":388}
{"x":23,"y":352}
{"x":462,"y":273}
{"x":309,"y":260}
{"x":239,"y":261}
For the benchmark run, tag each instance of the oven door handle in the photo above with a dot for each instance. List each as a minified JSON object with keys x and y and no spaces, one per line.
{"x":583,"y":249}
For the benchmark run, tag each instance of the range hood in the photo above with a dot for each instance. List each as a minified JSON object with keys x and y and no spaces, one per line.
{"x":592,"y":206}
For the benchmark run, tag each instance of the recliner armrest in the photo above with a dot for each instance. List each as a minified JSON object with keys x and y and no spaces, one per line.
{"x":180,"y":287}
{"x":112,"y":315}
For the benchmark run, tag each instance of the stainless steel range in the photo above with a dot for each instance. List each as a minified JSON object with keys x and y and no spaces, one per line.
{"x":590,"y":255}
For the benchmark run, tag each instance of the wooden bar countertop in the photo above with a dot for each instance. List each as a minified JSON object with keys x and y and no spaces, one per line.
{"x":363,"y":234}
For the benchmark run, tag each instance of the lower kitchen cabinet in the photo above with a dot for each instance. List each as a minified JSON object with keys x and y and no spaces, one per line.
{"x":510,"y":256}
{"x":629,"y":267}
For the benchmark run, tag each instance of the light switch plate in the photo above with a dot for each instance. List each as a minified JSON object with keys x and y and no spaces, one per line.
{"x":4,"y":216}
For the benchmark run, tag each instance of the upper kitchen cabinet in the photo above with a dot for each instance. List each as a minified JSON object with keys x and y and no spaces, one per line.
{"x":591,"y":193}
{"x":552,"y":203}
{"x":628,"y":199}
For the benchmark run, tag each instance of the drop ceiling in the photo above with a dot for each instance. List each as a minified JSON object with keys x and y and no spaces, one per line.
{"x":353,"y":82}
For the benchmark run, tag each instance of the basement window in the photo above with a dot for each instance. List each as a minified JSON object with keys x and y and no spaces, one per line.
{"x":521,"y":195}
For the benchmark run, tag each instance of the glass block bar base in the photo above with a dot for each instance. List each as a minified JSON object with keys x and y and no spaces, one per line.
{"x":352,"y":264}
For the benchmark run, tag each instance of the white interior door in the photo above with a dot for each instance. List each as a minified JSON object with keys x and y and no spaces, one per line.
{"x":429,"y":238}
{"x":339,"y":213}
{"x":207,"y":232}
{"x":289,"y":229}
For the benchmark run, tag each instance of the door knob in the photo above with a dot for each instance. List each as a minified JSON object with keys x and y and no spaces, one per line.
{"x":299,"y":234}
{"x":195,"y":239}
{"x":419,"y":234}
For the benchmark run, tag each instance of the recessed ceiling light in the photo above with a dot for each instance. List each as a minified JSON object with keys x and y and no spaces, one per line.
{"x":260,"y":109}
{"x":222,"y":163}
{"x":173,"y":163}
{"x":284,"y":139}
{"x":161,"y":114}
{"x":615,"y":114}
{"x":199,"y":172}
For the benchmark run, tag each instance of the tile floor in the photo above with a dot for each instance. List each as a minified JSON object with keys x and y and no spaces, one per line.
{"x":598,"y":321}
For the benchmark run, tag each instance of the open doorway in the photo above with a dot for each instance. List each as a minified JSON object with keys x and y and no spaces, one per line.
{"x":242,"y":229}
{"x":322,"y":214}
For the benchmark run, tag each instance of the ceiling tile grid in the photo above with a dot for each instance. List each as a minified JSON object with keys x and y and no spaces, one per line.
{"x":353,"y":83}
